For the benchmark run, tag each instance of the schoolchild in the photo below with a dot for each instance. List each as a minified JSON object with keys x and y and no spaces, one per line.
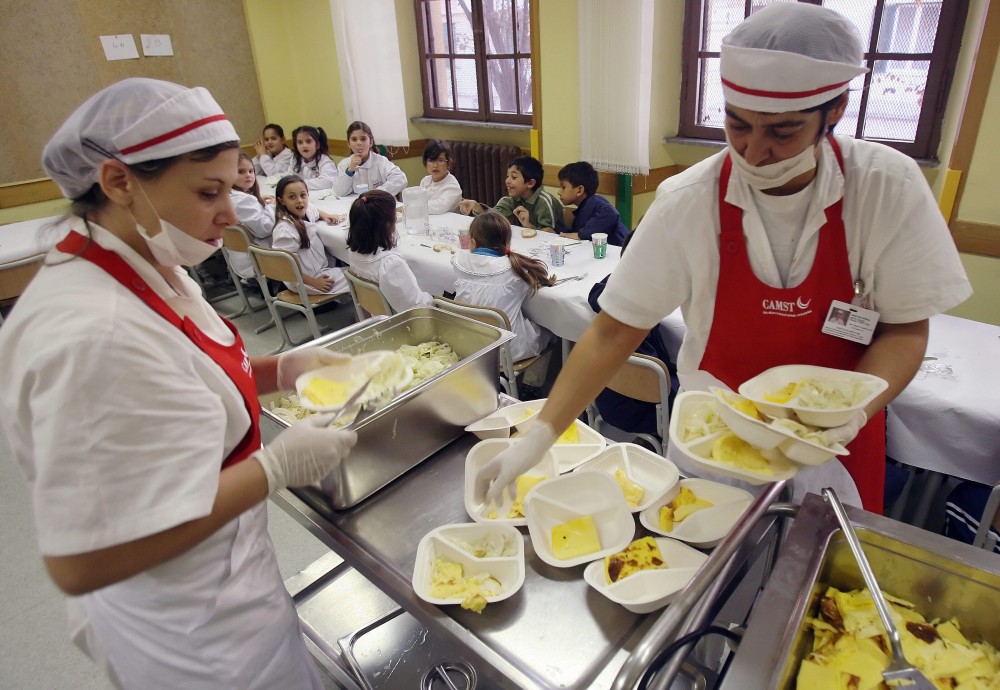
{"x":526,"y":202}
{"x":578,"y":187}
{"x":273,"y":157}
{"x":312,"y":160}
{"x":443,"y":190}
{"x":366,"y":169}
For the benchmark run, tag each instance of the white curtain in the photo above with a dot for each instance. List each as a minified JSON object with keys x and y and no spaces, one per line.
{"x":616,"y":66}
{"x":370,"y":70}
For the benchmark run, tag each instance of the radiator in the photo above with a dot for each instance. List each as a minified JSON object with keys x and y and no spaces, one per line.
{"x":481,"y":169}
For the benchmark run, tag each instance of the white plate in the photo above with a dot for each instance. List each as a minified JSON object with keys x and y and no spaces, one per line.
{"x":479,"y":455}
{"x":571,"y":455}
{"x":654,"y":473}
{"x":706,"y":527}
{"x":699,"y":450}
{"x":562,"y":499}
{"x":503,"y":422}
{"x":648,"y":590}
{"x":776,"y":378}
{"x":357,"y":370}
{"x":508,"y":570}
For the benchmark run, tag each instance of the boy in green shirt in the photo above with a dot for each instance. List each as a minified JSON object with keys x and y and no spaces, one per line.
{"x":526,"y":203}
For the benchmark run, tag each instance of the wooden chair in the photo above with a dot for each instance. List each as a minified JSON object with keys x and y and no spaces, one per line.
{"x":196,"y":276}
{"x":367,"y":297}
{"x":236,"y":238}
{"x":493,"y":316}
{"x":15,"y":276}
{"x":647,"y":379}
{"x":277,"y":264}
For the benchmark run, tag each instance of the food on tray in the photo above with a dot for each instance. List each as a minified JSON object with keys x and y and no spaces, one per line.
{"x":700,"y":419}
{"x":571,"y":435}
{"x":441,"y":247}
{"x":683,"y":505}
{"x":575,"y":538}
{"x":448,"y":581}
{"x":826,"y":393}
{"x":742,"y":405}
{"x":642,"y":554}
{"x":289,"y":409}
{"x":326,"y":393}
{"x":633,"y":492}
{"x":495,"y":545}
{"x":427,"y":359}
{"x":806,"y":433}
{"x":527,"y":413}
{"x":730,"y":449}
{"x":850,"y":648}
{"x":528,"y":232}
{"x":524,"y":484}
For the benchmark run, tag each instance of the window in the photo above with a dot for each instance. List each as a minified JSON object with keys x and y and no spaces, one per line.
{"x":911,"y":50}
{"x":476,"y":59}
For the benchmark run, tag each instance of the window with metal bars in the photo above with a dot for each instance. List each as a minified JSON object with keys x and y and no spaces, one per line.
{"x":911,"y":50}
{"x":476,"y":59}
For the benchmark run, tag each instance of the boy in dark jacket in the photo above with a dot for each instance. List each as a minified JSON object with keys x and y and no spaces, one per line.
{"x":578,"y":186}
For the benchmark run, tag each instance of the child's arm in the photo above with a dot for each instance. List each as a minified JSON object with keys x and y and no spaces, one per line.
{"x":604,"y":218}
{"x":399,"y":285}
{"x":343,"y":184}
{"x":279,"y":165}
{"x":395,"y":178}
{"x":505,"y":207}
{"x":326,"y":175}
{"x":259,"y":220}
{"x":445,"y":197}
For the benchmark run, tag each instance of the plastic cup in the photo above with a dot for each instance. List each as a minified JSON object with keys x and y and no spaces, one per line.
{"x":600,"y":241}
{"x":463,"y":238}
{"x":557,"y":252}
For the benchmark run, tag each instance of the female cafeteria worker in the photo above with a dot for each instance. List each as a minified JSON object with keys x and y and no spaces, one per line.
{"x":757,"y":242}
{"x":132,"y":408}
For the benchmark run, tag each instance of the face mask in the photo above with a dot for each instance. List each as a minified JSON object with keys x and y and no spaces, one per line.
{"x":774,"y":174}
{"x":172,"y":246}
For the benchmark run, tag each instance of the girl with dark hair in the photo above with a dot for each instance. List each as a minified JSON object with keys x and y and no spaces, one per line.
{"x":365,"y":169}
{"x":295,"y":232}
{"x":491,"y":275}
{"x":312,"y":160}
{"x":273,"y":157}
{"x":371,"y":241}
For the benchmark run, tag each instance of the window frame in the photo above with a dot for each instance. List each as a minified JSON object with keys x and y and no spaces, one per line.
{"x":943,"y":59}
{"x":485,"y":114}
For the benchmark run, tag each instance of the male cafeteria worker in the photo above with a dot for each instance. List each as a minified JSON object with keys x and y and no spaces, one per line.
{"x":756,"y":242}
{"x":132,"y":408}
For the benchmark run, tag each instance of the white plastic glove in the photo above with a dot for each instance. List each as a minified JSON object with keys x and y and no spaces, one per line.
{"x":845,"y":433}
{"x":292,"y":364}
{"x":304,"y":453}
{"x":503,"y":470}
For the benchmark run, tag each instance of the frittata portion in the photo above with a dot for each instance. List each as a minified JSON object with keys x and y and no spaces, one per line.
{"x":680,"y":508}
{"x":642,"y":554}
{"x":448,"y":581}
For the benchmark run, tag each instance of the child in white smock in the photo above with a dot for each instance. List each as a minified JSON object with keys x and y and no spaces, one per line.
{"x":273,"y":157}
{"x":372,"y":255}
{"x":294,"y":232}
{"x":365,"y":169}
{"x":254,"y":212}
{"x":443,"y":190}
{"x":311,"y":160}
{"x":491,"y":275}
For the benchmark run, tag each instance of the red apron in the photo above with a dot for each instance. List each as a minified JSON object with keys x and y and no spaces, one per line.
{"x":756,"y":326}
{"x":232,"y":359}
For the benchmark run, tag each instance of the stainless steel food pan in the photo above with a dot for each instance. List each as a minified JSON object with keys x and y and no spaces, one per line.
{"x":422,"y":420}
{"x":942,"y":577}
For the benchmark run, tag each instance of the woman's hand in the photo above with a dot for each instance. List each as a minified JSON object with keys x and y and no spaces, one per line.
{"x":258,"y":146}
{"x":293,"y":364}
{"x":304,"y":453}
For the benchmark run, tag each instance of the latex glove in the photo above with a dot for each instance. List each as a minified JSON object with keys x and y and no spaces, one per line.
{"x":845,"y":433}
{"x":503,"y":470}
{"x":304,"y":453}
{"x":292,"y":364}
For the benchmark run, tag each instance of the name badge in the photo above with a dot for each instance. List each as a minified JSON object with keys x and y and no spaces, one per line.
{"x":850,"y":322}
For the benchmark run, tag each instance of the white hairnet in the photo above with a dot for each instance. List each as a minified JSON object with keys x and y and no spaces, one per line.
{"x":134,"y":120}
{"x":790,"y":56}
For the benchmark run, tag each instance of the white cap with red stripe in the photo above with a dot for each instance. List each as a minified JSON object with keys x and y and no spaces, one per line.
{"x":790,"y":56}
{"x":133,"y":120}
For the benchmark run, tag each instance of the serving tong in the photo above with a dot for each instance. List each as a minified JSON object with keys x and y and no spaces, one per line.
{"x":900,"y":673}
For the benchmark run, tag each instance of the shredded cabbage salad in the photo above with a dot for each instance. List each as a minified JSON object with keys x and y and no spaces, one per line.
{"x":806,"y":433}
{"x":493,"y":546}
{"x":829,"y":393}
{"x":427,"y":359}
{"x":700,"y":420}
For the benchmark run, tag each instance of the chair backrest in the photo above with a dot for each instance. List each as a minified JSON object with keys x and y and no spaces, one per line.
{"x":367,"y":296}
{"x":236,"y":238}
{"x":491,"y":316}
{"x":15,"y":276}
{"x":277,"y":264}
{"x":643,"y":378}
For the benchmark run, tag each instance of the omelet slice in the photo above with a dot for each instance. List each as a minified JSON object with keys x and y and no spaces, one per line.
{"x":783,"y":395}
{"x":730,"y":449}
{"x":326,"y":393}
{"x":633,"y":492}
{"x":575,"y":538}
{"x":571,"y":435}
{"x":683,"y":505}
{"x":642,"y":554}
{"x":524,"y":484}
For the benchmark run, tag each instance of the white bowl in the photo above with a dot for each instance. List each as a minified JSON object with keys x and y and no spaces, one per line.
{"x":654,"y":473}
{"x":706,"y":527}
{"x":649,"y":590}
{"x":571,"y":455}
{"x":805,"y":452}
{"x":565,"y":498}
{"x":475,"y":506}
{"x":754,"y":431}
{"x":776,"y":378}
{"x":506,"y":420}
{"x":356,"y":371}
{"x":508,"y":570}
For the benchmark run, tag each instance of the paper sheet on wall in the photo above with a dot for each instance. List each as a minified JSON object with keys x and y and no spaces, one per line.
{"x":119,"y":47}
{"x":154,"y":45}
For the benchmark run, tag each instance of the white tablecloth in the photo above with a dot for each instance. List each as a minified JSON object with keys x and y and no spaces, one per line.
{"x":29,"y":237}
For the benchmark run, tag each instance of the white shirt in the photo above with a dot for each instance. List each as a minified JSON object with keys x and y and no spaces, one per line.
{"x":897,"y":243}
{"x":274,"y":165}
{"x":395,"y":279}
{"x":120,"y":424}
{"x":319,"y":173}
{"x":259,"y":220}
{"x":443,"y":196}
{"x":312,"y":259}
{"x":378,"y":172}
{"x":490,"y":281}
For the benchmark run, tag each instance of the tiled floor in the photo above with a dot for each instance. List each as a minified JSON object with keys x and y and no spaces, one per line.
{"x":35,"y":650}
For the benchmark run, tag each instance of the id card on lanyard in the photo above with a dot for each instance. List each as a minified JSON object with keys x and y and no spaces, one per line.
{"x":855,"y":321}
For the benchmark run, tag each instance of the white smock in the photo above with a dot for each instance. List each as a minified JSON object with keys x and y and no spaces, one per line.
{"x":259,"y":220}
{"x":897,"y":243}
{"x":312,"y":259}
{"x":120,"y":424}
{"x":378,"y":172}
{"x":395,"y":279}
{"x":268,"y":165}
{"x":442,"y":196}
{"x":491,"y":281}
{"x":319,"y":173}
